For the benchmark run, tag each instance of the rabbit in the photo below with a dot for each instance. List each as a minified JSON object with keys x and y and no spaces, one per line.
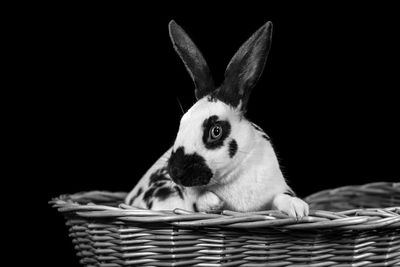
{"x":219,"y":160}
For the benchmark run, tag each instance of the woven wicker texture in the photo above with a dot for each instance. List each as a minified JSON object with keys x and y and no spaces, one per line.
{"x":347,"y":226}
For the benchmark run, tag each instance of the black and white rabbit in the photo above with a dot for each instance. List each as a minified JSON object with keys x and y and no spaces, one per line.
{"x":220,"y":160}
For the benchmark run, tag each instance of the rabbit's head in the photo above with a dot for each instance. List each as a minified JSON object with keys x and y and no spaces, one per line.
{"x":214,"y":135}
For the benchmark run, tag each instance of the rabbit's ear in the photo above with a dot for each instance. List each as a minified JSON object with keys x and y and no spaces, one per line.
{"x":245,"y":68}
{"x":193,"y":60}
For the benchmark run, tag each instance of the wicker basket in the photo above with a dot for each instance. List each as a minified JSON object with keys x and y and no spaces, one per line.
{"x":348,"y":226}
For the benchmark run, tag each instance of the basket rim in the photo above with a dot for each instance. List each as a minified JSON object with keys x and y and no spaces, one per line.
{"x":80,"y":205}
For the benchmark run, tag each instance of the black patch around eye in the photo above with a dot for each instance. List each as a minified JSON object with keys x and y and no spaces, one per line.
{"x":137,"y":194}
{"x":233,"y":147}
{"x":163,"y":193}
{"x":195,"y":208}
{"x":210,"y":122}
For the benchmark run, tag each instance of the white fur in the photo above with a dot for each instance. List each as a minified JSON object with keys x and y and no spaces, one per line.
{"x":250,"y":181}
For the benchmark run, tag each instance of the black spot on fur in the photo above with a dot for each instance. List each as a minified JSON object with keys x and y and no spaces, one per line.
{"x":290,"y":193}
{"x":148,"y":195}
{"x":179,"y":191}
{"x":159,"y":184}
{"x":140,"y":190}
{"x":149,"y":204}
{"x":163,"y":193}
{"x":188,"y":169}
{"x":233,"y":147}
{"x":195,"y":208}
{"x":208,"y":124}
{"x":266,"y":137}
{"x":158,"y":176}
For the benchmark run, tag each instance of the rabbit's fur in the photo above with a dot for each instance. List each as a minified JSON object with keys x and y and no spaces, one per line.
{"x":220,"y":160}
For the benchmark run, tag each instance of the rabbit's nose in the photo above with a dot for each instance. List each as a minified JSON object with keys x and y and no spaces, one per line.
{"x":175,"y":165}
{"x":176,"y":173}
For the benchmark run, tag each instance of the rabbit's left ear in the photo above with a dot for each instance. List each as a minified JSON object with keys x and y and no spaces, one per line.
{"x":245,"y":68}
{"x":193,"y":60}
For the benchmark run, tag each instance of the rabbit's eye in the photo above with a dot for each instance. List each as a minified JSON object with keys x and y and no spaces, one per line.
{"x":215,"y":132}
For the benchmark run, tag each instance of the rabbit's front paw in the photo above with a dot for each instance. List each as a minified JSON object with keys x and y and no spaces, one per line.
{"x":292,"y":206}
{"x":209,"y":202}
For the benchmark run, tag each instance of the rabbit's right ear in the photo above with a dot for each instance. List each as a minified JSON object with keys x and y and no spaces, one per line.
{"x":193,"y":60}
{"x":245,"y":68}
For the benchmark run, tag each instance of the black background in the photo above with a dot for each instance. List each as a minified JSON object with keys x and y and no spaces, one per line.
{"x":108,"y":81}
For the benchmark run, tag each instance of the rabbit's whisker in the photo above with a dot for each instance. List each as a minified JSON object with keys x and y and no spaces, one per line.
{"x":180,"y":105}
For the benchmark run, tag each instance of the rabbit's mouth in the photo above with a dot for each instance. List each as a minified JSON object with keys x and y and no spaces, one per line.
{"x":188,"y":169}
